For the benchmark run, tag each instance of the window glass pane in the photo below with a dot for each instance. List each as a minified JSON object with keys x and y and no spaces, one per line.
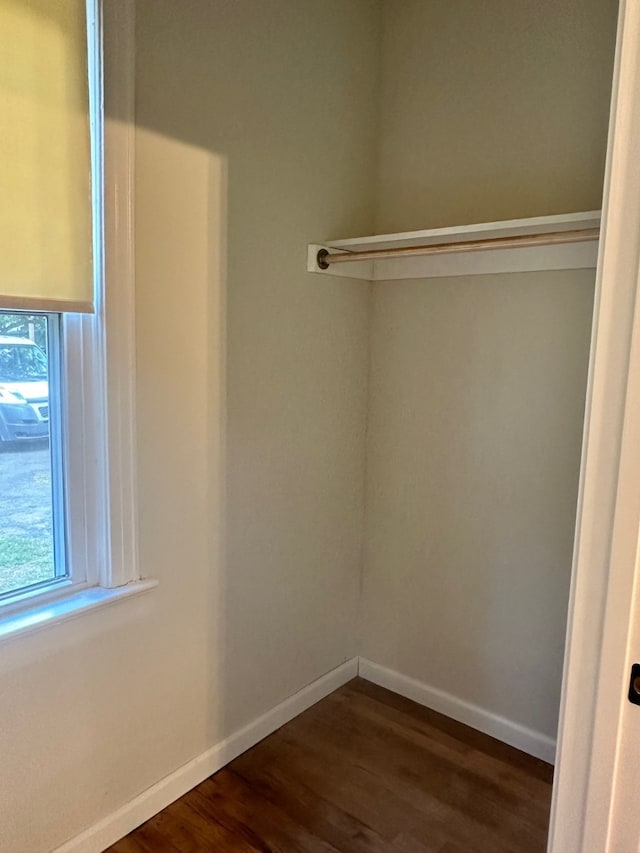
{"x":31,"y":521}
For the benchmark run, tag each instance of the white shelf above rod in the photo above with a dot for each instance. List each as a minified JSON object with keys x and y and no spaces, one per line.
{"x":567,"y":241}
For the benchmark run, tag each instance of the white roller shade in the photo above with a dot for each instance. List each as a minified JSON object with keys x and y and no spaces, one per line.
{"x":45,"y":157}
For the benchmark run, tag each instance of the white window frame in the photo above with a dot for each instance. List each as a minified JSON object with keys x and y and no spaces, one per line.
{"x":113,"y":342}
{"x":98,"y":354}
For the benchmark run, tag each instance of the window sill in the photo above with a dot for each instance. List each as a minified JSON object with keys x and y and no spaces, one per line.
{"x":52,"y":613}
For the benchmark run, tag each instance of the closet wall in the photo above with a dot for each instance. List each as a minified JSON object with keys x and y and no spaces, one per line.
{"x":489,"y":111}
{"x":492,"y":110}
{"x":284,"y":132}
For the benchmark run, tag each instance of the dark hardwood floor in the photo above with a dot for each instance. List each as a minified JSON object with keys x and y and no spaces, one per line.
{"x":363,"y":771}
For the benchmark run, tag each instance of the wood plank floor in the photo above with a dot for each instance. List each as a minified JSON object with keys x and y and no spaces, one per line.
{"x":363,"y":771}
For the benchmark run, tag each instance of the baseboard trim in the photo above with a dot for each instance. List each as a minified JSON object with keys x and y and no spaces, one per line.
{"x":101,"y":835}
{"x":115,"y":826}
{"x":528,"y":740}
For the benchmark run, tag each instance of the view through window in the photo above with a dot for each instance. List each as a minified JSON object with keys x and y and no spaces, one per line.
{"x":32,"y":527}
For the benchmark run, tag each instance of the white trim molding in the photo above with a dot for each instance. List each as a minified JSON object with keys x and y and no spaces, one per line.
{"x":118,"y":310}
{"x":115,"y":826}
{"x":523,"y":738}
{"x":600,"y":606}
{"x":62,"y":608}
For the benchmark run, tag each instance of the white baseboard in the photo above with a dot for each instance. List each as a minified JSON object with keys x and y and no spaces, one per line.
{"x":528,"y":740}
{"x":109,"y":830}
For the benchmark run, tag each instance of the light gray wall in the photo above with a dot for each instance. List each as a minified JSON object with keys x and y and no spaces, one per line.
{"x":476,"y":406}
{"x":292,"y":126}
{"x":492,"y":110}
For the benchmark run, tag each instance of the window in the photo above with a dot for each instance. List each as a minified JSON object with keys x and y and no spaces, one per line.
{"x":67,"y":458}
{"x":32,"y":515}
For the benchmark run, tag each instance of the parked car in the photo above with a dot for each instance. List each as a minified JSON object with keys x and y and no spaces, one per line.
{"x":24,"y":390}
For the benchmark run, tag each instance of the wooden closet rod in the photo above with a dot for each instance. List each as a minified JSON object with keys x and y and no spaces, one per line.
{"x":325,"y":258}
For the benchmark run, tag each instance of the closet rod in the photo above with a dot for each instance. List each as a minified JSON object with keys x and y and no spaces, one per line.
{"x":325,"y":258}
